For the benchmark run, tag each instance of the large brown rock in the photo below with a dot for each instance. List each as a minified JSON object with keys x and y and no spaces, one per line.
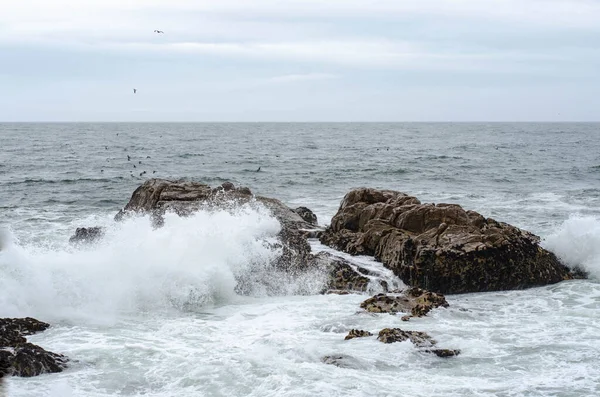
{"x":441,"y":248}
{"x":157,"y":196}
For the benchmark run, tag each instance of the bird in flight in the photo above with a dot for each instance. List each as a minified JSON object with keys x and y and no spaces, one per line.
{"x":158,"y":31}
{"x":135,"y":90}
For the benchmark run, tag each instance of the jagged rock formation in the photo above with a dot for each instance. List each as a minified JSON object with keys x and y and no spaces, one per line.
{"x":441,"y":248}
{"x":20,"y":358}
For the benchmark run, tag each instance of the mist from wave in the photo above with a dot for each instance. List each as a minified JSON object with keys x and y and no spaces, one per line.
{"x":185,"y":265}
{"x":577,"y":243}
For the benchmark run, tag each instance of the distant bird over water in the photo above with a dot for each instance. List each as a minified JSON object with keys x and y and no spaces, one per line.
{"x":158,"y":31}
{"x":258,"y":170}
{"x":135,"y":92}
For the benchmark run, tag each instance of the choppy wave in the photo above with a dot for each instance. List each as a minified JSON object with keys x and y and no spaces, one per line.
{"x":31,"y":181}
{"x":185,"y":265}
{"x":577,"y":243}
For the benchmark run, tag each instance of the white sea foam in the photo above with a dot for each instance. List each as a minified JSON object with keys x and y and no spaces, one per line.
{"x":577,"y":243}
{"x":187,"y":264}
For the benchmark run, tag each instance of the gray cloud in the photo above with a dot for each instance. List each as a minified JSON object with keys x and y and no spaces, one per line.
{"x":305,"y":60}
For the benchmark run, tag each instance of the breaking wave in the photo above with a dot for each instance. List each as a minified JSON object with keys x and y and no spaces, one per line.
{"x":577,"y":243}
{"x":185,"y":265}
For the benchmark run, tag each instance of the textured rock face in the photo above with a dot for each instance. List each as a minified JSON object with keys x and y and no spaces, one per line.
{"x":357,"y":333}
{"x":308,"y":216}
{"x":419,"y":339}
{"x":343,"y":276}
{"x":441,"y":248}
{"x":157,"y":196}
{"x":414,"y":300}
{"x":391,"y":335}
{"x":31,"y":360}
{"x":20,"y":358}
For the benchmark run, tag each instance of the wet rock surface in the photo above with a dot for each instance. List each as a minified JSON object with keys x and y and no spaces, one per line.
{"x":307,"y":215}
{"x":20,"y":358}
{"x":441,"y":247}
{"x":343,"y":276}
{"x":415,"y":301}
{"x":31,"y":360}
{"x":357,"y":333}
{"x":443,"y":352}
{"x":391,"y":335}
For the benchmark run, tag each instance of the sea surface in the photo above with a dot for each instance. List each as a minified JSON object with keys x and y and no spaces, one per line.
{"x":155,"y":312}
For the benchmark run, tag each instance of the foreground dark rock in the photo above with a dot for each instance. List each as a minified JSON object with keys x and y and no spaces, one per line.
{"x":20,"y":358}
{"x":415,"y":301}
{"x":31,"y":360}
{"x":441,"y":248}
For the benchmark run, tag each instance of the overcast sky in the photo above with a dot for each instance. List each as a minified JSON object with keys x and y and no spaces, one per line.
{"x":293,"y":60}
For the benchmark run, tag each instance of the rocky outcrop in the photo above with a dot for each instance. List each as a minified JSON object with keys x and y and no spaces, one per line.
{"x":391,"y":335}
{"x":87,"y":235}
{"x":357,"y":333}
{"x":20,"y":358}
{"x":441,"y":248}
{"x":157,"y":196}
{"x":415,"y":301}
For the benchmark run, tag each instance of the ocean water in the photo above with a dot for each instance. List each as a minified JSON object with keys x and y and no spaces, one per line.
{"x":157,"y":312}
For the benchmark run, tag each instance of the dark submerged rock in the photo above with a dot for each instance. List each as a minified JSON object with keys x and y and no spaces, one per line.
{"x":442,"y":248}
{"x":342,"y":361}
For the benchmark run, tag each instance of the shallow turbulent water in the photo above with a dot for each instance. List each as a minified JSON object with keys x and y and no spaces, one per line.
{"x":157,"y":313}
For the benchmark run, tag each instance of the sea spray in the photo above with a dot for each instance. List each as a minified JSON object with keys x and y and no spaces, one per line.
{"x":577,"y":243}
{"x":185,"y":265}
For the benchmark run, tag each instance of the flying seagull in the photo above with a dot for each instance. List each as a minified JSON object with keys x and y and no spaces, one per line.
{"x":158,"y":31}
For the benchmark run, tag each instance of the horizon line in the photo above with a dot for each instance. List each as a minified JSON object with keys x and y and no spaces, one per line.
{"x":291,"y":122}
